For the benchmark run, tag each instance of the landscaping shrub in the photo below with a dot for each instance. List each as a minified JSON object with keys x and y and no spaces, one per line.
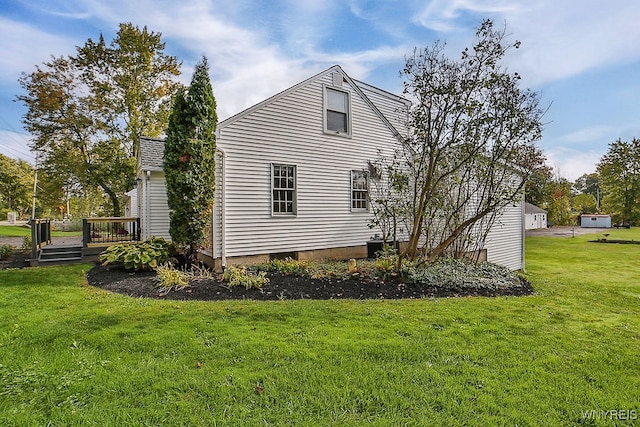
{"x":461,"y":274}
{"x":386,"y":262}
{"x":240,"y":276}
{"x":290,"y":266}
{"x":170,"y":277}
{"x":5,"y":251}
{"x":145,"y":255}
{"x":26,"y":243}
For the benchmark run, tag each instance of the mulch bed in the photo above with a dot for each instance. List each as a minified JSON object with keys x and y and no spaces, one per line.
{"x":280,"y":287}
{"x":618,"y":241}
{"x":18,"y":259}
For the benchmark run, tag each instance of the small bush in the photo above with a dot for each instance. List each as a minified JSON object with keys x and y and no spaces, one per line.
{"x":170,"y":277}
{"x":240,"y":276}
{"x":290,"y":266}
{"x":461,"y":274}
{"x":5,"y":251}
{"x":26,"y":243}
{"x":145,"y":255}
{"x":386,"y":266}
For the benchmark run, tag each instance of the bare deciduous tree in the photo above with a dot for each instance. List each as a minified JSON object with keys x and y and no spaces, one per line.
{"x":470,"y":152}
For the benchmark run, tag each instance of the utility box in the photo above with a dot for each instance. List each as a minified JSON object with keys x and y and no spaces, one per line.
{"x":375,"y":245}
{"x":11,"y":217}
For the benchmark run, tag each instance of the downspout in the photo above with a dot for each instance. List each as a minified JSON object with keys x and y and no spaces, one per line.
{"x":223,"y":212}
{"x":147,"y":203}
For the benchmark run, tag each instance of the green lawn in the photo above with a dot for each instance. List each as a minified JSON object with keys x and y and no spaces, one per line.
{"x":20,"y":231}
{"x":568,"y":355}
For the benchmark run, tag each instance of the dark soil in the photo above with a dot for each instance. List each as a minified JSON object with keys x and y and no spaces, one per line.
{"x":618,"y":241}
{"x":281,"y":287}
{"x":18,"y":259}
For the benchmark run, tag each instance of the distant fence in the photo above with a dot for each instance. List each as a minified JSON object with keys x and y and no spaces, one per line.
{"x":110,"y":230}
{"x":40,"y":235}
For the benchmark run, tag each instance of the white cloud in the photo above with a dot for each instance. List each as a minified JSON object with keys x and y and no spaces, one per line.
{"x":572,"y":163}
{"x":25,"y":46}
{"x":443,"y":15}
{"x":559,"y":39}
{"x":589,"y":134}
{"x":246,"y":64}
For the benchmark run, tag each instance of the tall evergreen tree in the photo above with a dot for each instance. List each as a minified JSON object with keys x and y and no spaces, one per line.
{"x":189,"y":162}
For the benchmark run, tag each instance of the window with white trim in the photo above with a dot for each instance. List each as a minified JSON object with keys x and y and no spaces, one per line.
{"x":283,"y":189}
{"x":337,"y":117}
{"x":359,"y":190}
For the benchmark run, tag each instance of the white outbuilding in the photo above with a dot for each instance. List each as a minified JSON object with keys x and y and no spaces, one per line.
{"x":595,"y":221}
{"x":534,"y":217}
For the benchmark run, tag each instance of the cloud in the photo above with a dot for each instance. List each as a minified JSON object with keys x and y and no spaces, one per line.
{"x":444,"y":15}
{"x":28,"y":46}
{"x":559,"y":39}
{"x":248,"y":63}
{"x":572,"y":163}
{"x":588,"y":134}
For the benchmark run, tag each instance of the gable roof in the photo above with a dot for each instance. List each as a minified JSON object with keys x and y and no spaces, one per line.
{"x":151,"y":154}
{"x":356,"y":85}
{"x":532,"y":209}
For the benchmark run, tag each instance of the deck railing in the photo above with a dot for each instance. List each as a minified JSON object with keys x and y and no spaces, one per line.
{"x":110,"y":230}
{"x":40,"y":235}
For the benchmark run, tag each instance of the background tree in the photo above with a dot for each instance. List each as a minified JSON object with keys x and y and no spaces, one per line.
{"x":538,"y":186}
{"x":619,"y":171}
{"x":189,"y":162}
{"x":584,"y":203}
{"x":471,"y":150}
{"x":558,"y":205}
{"x":589,"y":183}
{"x":16,"y":186}
{"x":87,"y":112}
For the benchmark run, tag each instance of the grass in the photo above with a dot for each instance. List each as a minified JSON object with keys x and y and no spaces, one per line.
{"x":20,"y":231}
{"x":74,"y":355}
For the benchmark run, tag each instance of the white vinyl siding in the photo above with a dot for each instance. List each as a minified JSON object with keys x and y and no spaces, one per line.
{"x":393,"y":107}
{"x":289,"y":131}
{"x":505,"y":242}
{"x":155,"y":215}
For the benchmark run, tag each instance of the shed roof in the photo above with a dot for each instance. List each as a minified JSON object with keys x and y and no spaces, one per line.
{"x":532,"y":209}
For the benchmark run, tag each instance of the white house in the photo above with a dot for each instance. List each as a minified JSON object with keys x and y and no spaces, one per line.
{"x":292,"y":176}
{"x":534,"y":217}
{"x":152,"y":208}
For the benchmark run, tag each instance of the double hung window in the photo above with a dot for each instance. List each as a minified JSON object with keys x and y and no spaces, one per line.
{"x":283,"y":186}
{"x":337,"y":118}
{"x":359,"y":190}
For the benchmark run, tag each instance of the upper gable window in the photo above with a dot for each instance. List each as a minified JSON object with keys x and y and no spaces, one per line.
{"x":337,"y":112}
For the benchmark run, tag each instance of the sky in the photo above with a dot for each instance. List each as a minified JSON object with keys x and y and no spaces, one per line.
{"x":583,"y":56}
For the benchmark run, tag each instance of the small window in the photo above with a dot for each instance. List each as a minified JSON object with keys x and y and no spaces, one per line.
{"x":337,"y":120}
{"x":359,"y":190}
{"x":283,"y":186}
